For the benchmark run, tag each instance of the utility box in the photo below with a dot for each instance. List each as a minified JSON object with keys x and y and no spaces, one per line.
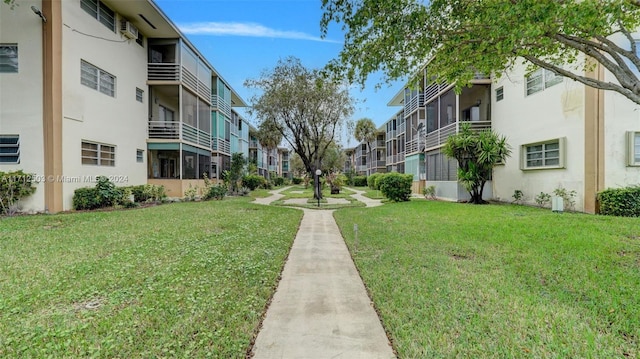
{"x":557,"y":204}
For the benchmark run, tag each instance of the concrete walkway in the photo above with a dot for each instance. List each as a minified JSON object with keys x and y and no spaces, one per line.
{"x":321,"y":308}
{"x":366,"y":200}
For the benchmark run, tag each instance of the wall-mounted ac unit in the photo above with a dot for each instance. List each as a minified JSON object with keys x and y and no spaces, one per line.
{"x":127,"y":29}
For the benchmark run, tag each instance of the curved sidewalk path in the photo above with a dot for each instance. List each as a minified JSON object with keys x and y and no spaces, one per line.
{"x":321,"y":308}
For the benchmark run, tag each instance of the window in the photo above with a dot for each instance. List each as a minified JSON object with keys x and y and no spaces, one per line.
{"x":541,"y":155}
{"x":499,"y":94}
{"x":139,"y":94}
{"x":100,"y":12}
{"x":541,"y":79}
{"x":97,"y":79}
{"x":98,"y":154}
{"x":9,"y":149}
{"x":9,"y":58}
{"x":139,"y":156}
{"x":633,"y":144}
{"x":140,"y":39}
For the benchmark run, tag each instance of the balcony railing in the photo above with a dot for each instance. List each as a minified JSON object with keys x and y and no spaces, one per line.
{"x":159,"y":71}
{"x":218,"y":103}
{"x":401,"y":128}
{"x":439,"y":136}
{"x":220,"y":145}
{"x":195,"y":135}
{"x":414,"y":103}
{"x":164,"y":129}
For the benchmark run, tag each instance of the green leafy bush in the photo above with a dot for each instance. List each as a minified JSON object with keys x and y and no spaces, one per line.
{"x":296,"y":180}
{"x":429,"y":192}
{"x":360,"y":181}
{"x":395,"y":186}
{"x":623,"y":202}
{"x":372,"y":180}
{"x":86,"y":198}
{"x":108,"y":193}
{"x":253,"y":181}
{"x":542,"y":199}
{"x":13,"y":187}
{"x":216,"y":192}
{"x":278,"y":181}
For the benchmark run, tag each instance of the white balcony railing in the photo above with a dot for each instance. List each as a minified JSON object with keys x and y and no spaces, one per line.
{"x":164,"y":129}
{"x":163,"y":71}
{"x":218,"y":103}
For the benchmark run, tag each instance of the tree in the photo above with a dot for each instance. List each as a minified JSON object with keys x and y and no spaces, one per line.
{"x":461,"y":38}
{"x":334,"y":159}
{"x":304,"y":106}
{"x":365,"y":131}
{"x":477,"y":153}
{"x":234,"y":175}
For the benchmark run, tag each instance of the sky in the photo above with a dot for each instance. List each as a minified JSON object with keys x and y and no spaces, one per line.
{"x":242,"y":38}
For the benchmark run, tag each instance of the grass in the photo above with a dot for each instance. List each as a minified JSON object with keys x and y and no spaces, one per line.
{"x":506,"y":281}
{"x":371,"y":193}
{"x":299,"y":191}
{"x":179,"y":280}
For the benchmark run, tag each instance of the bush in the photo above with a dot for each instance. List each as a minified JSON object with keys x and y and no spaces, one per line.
{"x":253,"y":181}
{"x":13,"y":187}
{"x":372,"y":180}
{"x":147,"y":192}
{"x":296,"y":180}
{"x":395,"y":186}
{"x":624,"y":202}
{"x":108,"y":193}
{"x":278,"y":181}
{"x":216,"y":192}
{"x":360,"y":181}
{"x":429,"y":192}
{"x":86,"y":199}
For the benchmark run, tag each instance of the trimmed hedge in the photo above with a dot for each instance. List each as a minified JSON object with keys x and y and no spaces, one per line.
{"x":623,"y":202}
{"x":360,"y":181}
{"x":395,"y":186}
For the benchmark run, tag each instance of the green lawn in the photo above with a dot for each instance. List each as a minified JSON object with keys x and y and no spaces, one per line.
{"x":180,"y":280}
{"x":499,"y":281}
{"x":371,"y":193}
{"x":299,"y":191}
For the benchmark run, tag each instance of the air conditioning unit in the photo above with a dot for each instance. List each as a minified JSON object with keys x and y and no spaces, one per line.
{"x":127,"y":29}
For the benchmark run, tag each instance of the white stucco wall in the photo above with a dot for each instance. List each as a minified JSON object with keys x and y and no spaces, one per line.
{"x":555,"y":112}
{"x":21,"y":93}
{"x":96,"y":117}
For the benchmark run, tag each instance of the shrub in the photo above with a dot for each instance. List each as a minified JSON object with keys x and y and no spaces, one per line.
{"x":13,"y":187}
{"x":253,"y":181}
{"x":296,"y":180}
{"x":542,"y":199}
{"x":568,"y":197}
{"x":624,"y":202}
{"x":278,"y":181}
{"x":395,"y":186}
{"x":517,"y":196}
{"x":429,"y":192}
{"x":360,"y":181}
{"x":108,"y":193}
{"x":372,"y":180}
{"x":216,"y":192}
{"x":86,"y":199}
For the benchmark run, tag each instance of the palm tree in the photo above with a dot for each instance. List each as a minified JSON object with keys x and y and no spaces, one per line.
{"x":366,"y":132}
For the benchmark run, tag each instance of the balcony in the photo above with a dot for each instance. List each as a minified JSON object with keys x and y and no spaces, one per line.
{"x":218,"y":103}
{"x":163,"y":71}
{"x":173,"y":72}
{"x":164,"y":130}
{"x":439,"y":136}
{"x":414,"y":103}
{"x":195,"y":135}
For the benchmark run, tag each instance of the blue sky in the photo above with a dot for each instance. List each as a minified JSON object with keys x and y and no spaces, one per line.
{"x":241,"y":38}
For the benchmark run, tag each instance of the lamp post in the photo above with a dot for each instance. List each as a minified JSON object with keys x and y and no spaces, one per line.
{"x":318,"y":173}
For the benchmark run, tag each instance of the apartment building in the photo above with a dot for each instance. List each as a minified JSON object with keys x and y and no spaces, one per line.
{"x":70,"y":112}
{"x":564,"y":135}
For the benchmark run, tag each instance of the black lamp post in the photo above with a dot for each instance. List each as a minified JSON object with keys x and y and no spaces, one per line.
{"x":318,"y":173}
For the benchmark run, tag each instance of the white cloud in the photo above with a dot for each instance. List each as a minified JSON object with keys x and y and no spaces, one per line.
{"x":245,"y":29}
